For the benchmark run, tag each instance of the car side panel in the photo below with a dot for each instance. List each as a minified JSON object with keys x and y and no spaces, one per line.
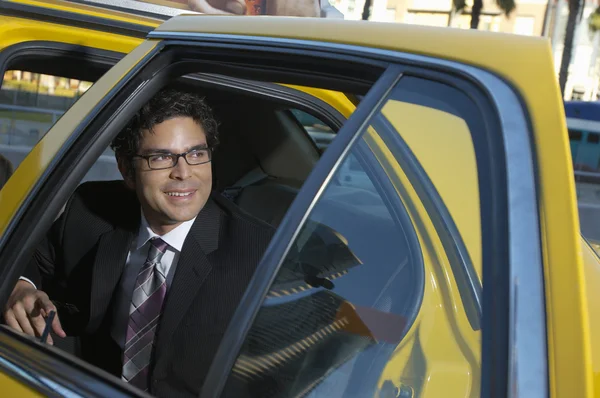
{"x":569,"y":333}
{"x":13,"y":388}
{"x":591,"y":263}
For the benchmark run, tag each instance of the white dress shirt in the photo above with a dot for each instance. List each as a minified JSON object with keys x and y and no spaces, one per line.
{"x":135,"y":260}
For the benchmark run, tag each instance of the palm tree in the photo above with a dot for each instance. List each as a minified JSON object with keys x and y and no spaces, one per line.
{"x":594,"y":21}
{"x":507,"y":6}
{"x":575,"y":14}
{"x":476,"y":13}
{"x":366,"y":10}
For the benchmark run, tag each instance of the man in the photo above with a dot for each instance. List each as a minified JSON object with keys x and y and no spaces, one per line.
{"x":147,"y":271}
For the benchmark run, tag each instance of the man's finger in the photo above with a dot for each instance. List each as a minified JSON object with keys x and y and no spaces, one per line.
{"x":38,"y":324}
{"x":23,"y":320}
{"x":9,"y":318}
{"x":57,"y":327}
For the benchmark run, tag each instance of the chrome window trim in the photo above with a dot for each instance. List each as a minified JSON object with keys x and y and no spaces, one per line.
{"x":528,"y":364}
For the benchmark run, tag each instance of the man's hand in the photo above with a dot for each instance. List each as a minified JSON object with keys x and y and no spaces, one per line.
{"x":26,"y":309}
{"x":237,"y":7}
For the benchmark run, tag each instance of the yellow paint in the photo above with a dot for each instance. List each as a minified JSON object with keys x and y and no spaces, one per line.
{"x":472,"y":47}
{"x":334,"y":98}
{"x":15,"y":388}
{"x":591,"y":263}
{"x":30,"y":170}
{"x":441,"y":354}
{"x":17,"y":30}
{"x":91,"y":10}
{"x":442,"y":144}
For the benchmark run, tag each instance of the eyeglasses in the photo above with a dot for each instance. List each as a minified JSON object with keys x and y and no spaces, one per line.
{"x":193,"y":157}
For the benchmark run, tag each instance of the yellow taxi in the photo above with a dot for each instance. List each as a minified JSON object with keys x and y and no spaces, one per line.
{"x":419,"y":178}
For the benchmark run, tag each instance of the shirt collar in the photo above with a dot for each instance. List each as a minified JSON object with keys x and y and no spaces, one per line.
{"x":174,"y":238}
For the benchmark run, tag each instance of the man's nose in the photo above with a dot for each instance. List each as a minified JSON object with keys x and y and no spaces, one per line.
{"x":182,"y":170}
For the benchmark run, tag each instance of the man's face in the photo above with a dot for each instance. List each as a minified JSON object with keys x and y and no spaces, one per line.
{"x":171,"y":196}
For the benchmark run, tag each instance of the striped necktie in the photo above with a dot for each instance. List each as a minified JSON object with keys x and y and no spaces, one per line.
{"x":144,"y":313}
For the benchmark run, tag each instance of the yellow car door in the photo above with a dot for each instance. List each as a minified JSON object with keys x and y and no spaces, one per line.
{"x":552,"y":211}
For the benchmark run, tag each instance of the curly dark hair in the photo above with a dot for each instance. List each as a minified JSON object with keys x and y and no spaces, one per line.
{"x":166,"y":104}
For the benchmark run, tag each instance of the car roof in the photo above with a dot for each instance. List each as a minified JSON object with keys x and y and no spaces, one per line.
{"x":493,"y":51}
{"x":497,"y":52}
{"x":500,"y":53}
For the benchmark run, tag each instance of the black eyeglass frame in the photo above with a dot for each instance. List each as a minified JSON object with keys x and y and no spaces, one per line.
{"x":176,"y":157}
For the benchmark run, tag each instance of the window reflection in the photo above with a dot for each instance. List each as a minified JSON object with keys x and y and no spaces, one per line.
{"x":341,"y":302}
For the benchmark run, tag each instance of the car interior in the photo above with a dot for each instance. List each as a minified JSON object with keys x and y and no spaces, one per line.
{"x":264,"y":154}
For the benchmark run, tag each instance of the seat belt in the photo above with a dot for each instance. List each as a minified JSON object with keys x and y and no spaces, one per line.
{"x":252,"y":177}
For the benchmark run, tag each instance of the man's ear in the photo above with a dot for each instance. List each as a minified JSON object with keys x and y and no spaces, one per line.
{"x":126,"y":168}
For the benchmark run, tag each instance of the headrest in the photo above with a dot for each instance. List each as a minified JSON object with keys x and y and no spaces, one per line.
{"x":260,"y":134}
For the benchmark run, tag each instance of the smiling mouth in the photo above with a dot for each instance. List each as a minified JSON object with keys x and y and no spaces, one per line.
{"x":180,"y":194}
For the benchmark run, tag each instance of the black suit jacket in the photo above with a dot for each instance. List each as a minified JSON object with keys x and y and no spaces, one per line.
{"x":81,"y":261}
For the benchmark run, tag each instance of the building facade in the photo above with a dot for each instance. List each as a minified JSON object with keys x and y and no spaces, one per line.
{"x":527,"y":18}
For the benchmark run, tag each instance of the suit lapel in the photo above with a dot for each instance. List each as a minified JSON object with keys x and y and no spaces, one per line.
{"x":192,"y":269}
{"x":112,"y":250}
{"x":113,"y":247}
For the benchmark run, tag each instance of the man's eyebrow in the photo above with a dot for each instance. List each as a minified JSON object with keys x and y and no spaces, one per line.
{"x":166,"y":151}
{"x":155,"y":151}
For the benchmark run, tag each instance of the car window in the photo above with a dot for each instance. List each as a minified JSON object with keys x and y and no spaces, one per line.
{"x":352,"y":261}
{"x":30,"y":103}
{"x":321,"y":134}
{"x":446,"y":152}
{"x":366,"y":302}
